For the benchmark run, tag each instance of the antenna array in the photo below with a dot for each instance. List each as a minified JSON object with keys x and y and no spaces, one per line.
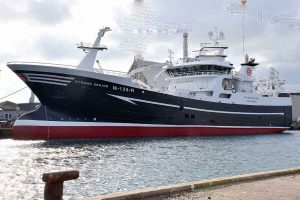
{"x":143,"y":26}
{"x":216,"y":36}
{"x":292,"y":22}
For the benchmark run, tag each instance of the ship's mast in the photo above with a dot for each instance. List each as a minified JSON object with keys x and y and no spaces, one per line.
{"x":171,"y":53}
{"x":92,"y":49}
{"x":243,"y":6}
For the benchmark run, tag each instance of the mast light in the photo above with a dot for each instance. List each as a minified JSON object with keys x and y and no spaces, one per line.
{"x":244,"y":2}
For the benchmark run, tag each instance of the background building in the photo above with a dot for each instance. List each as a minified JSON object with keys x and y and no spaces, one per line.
{"x":10,"y":111}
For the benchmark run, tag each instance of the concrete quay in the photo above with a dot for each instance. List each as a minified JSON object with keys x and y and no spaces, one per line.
{"x":277,"y":184}
{"x":284,"y":188}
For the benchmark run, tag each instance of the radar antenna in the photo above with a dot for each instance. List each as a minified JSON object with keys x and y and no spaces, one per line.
{"x":216,"y":36}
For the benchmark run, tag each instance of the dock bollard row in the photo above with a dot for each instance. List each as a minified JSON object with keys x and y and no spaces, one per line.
{"x":54,"y":183}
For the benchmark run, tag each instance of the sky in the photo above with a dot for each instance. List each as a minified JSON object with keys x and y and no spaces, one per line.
{"x":48,"y":31}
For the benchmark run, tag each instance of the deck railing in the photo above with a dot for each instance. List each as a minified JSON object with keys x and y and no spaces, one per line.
{"x":187,"y":60}
{"x":96,"y":70}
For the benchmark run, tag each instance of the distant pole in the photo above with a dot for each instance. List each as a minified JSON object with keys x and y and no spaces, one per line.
{"x":244,"y":5}
{"x":243,"y":31}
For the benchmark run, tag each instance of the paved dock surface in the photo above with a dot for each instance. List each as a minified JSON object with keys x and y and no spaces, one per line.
{"x":280,"y":188}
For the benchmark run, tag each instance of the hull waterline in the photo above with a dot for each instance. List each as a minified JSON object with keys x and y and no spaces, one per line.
{"x":81,"y":131}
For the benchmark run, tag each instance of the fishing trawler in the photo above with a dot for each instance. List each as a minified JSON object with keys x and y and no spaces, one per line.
{"x":193,"y":96}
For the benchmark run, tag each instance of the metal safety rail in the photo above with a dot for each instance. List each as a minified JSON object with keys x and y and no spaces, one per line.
{"x":96,"y":70}
{"x":187,"y":60}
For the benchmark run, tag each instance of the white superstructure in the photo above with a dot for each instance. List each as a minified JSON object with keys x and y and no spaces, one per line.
{"x":207,"y":76}
{"x":272,"y":85}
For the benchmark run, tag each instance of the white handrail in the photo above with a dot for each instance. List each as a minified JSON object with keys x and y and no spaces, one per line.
{"x":187,"y":60}
{"x":96,"y":70}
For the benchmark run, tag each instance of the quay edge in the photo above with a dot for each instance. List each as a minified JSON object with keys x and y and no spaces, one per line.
{"x":195,"y":185}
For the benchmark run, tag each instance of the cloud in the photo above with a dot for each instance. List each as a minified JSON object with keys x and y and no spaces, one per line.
{"x":7,"y":12}
{"x":41,"y":11}
{"x":49,"y":12}
{"x":56,"y":48}
{"x":48,"y":31}
{"x":5,"y":56}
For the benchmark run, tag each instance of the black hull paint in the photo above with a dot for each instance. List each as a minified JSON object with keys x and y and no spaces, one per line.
{"x":90,"y":100}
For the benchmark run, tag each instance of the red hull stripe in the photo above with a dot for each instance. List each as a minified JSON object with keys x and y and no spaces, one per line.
{"x":81,"y":132}
{"x":115,"y":124}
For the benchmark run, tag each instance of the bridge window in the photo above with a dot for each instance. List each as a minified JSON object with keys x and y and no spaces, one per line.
{"x":8,"y":116}
{"x":209,"y":93}
{"x":227,"y":96}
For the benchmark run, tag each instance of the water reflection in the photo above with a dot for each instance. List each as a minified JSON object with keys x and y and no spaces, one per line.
{"x":122,"y":164}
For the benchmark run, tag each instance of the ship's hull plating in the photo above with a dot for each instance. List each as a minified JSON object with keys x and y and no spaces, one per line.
{"x":72,"y":131}
{"x":77,"y":105}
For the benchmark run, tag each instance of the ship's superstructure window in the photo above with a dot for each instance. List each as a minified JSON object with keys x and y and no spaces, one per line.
{"x":193,"y":94}
{"x":222,"y":95}
{"x":209,"y":93}
{"x":198,"y":70}
{"x":8,"y":116}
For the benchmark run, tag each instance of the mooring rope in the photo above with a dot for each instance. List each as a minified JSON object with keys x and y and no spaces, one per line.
{"x":12,"y":93}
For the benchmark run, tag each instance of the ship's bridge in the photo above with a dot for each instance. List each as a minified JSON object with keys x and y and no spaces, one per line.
{"x":199,"y":68}
{"x":211,"y":51}
{"x":209,"y":60}
{"x":202,"y":75}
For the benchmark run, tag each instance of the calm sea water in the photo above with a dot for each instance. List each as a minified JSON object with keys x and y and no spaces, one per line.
{"x":117,"y":165}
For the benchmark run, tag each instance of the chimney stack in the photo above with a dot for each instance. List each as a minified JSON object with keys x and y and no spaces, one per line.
{"x":185,"y":45}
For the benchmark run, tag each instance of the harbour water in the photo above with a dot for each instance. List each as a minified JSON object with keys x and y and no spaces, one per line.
{"x":125,"y":164}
